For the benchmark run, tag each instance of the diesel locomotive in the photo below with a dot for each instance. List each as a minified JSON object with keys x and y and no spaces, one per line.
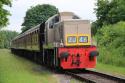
{"x":63,"y":41}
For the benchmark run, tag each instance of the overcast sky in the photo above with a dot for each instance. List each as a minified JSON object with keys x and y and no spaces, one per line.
{"x":83,"y":8}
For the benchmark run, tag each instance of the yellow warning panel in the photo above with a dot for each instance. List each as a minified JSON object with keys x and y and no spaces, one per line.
{"x":78,"y":39}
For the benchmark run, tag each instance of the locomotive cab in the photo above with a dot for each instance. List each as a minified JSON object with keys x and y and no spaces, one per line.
{"x":53,"y":26}
{"x":49,"y":29}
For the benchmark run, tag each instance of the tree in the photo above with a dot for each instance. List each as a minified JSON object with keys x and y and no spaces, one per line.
{"x":108,"y":12}
{"x":38,"y":14}
{"x":6,"y":37}
{"x":111,"y":44}
{"x":110,"y":31}
{"x":4,"y":13}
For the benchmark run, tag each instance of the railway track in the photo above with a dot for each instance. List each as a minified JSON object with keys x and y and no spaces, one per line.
{"x":95,"y":77}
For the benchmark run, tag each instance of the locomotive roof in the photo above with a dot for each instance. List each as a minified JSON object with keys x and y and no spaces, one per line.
{"x":66,"y":13}
{"x":61,"y":14}
{"x":27,"y":32}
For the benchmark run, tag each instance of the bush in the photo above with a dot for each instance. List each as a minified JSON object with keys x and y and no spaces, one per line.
{"x":111,"y":43}
{"x":6,"y":37}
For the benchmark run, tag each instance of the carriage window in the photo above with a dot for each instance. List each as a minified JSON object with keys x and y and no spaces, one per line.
{"x":51,"y":24}
{"x":53,"y":20}
{"x":56,"y":19}
{"x":35,"y":37}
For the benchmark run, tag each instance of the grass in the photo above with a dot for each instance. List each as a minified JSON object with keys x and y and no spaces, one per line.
{"x":14,"y":69}
{"x":115,"y":70}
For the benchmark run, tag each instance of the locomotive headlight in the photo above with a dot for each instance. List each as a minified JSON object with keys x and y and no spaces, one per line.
{"x":71,"y":39}
{"x":93,"y":54}
{"x":83,"y":39}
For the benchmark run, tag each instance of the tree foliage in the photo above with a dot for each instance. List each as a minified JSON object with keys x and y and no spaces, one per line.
{"x":111,"y":43}
{"x":109,"y":33}
{"x":4,"y":13}
{"x":38,"y":14}
{"x":6,"y":37}
{"x":108,"y":12}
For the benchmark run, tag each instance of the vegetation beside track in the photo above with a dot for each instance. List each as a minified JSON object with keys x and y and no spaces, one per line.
{"x":6,"y":37}
{"x":111,"y":44}
{"x":115,"y":70}
{"x":14,"y":69}
{"x":109,"y":31}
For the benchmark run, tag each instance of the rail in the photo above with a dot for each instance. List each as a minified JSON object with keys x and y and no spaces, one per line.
{"x":95,"y":77}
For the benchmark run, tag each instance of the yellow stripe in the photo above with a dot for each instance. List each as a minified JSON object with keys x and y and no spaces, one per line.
{"x":77,"y":37}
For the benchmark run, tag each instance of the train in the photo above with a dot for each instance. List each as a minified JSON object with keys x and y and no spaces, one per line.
{"x":64,"y":41}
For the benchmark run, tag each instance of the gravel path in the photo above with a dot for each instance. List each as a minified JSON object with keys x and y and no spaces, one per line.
{"x":62,"y":78}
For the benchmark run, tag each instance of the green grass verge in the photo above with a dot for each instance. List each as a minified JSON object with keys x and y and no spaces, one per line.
{"x":115,"y":70}
{"x":14,"y":69}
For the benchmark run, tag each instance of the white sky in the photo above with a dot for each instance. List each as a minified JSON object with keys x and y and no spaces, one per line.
{"x":83,"y":8}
